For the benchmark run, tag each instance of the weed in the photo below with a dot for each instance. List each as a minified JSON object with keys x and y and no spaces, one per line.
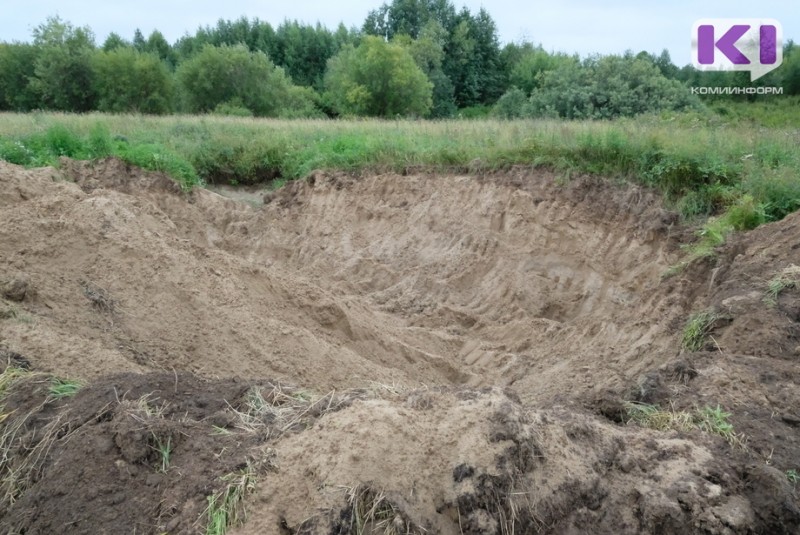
{"x":788,"y":278}
{"x":63,"y":388}
{"x":793,"y":476}
{"x":12,"y":311}
{"x":372,"y":512}
{"x":697,"y":330}
{"x":164,"y":450}
{"x":18,"y":471}
{"x":148,"y":406}
{"x":279,"y":408}
{"x":226,"y":507}
{"x":710,"y":420}
{"x":653,"y":417}
{"x":716,"y":421}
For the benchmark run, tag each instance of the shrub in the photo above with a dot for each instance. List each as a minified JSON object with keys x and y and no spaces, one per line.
{"x":607,"y":87}
{"x":512,"y":105}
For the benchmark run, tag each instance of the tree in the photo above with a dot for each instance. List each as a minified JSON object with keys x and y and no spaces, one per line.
{"x":377,"y":79}
{"x":113,"y":42}
{"x":236,"y":76}
{"x":62,"y":76}
{"x":127,"y":80}
{"x":428,"y":53}
{"x":17,"y":62}
{"x":304,"y":51}
{"x":529,"y":62}
{"x":607,"y":87}
{"x":157,"y":44}
{"x":471,"y":63}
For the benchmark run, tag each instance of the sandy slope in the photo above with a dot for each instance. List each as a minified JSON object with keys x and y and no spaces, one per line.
{"x":512,"y":313}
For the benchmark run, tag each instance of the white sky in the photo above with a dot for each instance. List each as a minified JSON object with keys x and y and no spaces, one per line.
{"x":583,"y":26}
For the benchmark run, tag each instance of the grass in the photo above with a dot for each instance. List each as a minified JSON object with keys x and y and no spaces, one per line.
{"x":226,"y":507}
{"x":712,"y":420}
{"x":703,"y":164}
{"x":18,"y":471}
{"x":697,"y":329}
{"x":12,"y":311}
{"x":787,"y":279}
{"x":793,"y":476}
{"x":279,"y":408}
{"x":373,"y":513}
{"x":63,"y":388}
{"x":164,"y":450}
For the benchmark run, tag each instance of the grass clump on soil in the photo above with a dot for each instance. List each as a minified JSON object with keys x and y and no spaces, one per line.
{"x":697,"y":329}
{"x":793,"y":476}
{"x":743,"y":214}
{"x":164,"y":450}
{"x":372,"y":512}
{"x":226,"y":507}
{"x":279,"y":408}
{"x":787,"y":279}
{"x":17,"y":469}
{"x":63,"y":388}
{"x":707,"y":419}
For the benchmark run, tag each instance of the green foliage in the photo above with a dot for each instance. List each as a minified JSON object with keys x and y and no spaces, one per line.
{"x":709,"y":420}
{"x":233,"y":108}
{"x":697,"y":329}
{"x":99,"y":143}
{"x":16,"y":152}
{"x":526,"y":65}
{"x":787,"y":279}
{"x":163,"y":449}
{"x":63,"y":388}
{"x":377,"y":79}
{"x":716,"y":421}
{"x":159,"y":158}
{"x":17,"y":61}
{"x":607,"y":87}
{"x":512,"y":105}
{"x":793,"y":476}
{"x":745,"y":213}
{"x":61,"y":141}
{"x":236,"y":76}
{"x":226,"y":507}
{"x":704,"y":169}
{"x":130,"y":81}
{"x":62,"y":73}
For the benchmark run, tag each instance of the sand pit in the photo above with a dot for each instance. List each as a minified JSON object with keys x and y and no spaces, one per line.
{"x":452,"y":354}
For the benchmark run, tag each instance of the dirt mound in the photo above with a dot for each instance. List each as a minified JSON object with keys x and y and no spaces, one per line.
{"x":483,"y":341}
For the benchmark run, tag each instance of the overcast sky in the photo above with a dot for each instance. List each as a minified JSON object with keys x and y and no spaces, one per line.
{"x":581,"y":26}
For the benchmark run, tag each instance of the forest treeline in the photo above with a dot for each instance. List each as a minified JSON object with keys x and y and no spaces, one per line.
{"x":421,"y":58}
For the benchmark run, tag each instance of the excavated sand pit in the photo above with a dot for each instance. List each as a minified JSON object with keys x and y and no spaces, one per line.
{"x":450,"y":353}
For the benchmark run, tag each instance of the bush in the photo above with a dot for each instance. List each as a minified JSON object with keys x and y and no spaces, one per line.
{"x":233,"y":76}
{"x":607,"y":87}
{"x":377,"y":79}
{"x":60,"y":141}
{"x":129,"y":81}
{"x":512,"y":105}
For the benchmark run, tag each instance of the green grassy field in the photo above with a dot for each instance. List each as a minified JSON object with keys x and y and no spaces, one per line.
{"x":705,"y":164}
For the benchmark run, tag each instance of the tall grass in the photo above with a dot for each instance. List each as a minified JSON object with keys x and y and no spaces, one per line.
{"x":703,"y":164}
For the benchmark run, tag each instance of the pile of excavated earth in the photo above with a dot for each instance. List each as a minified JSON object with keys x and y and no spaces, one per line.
{"x":494,"y":354}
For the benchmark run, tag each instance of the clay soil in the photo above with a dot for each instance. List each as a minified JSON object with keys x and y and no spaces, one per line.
{"x":385,"y":354}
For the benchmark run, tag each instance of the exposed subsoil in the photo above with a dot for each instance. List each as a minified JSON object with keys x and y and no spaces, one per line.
{"x":453,"y":353}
